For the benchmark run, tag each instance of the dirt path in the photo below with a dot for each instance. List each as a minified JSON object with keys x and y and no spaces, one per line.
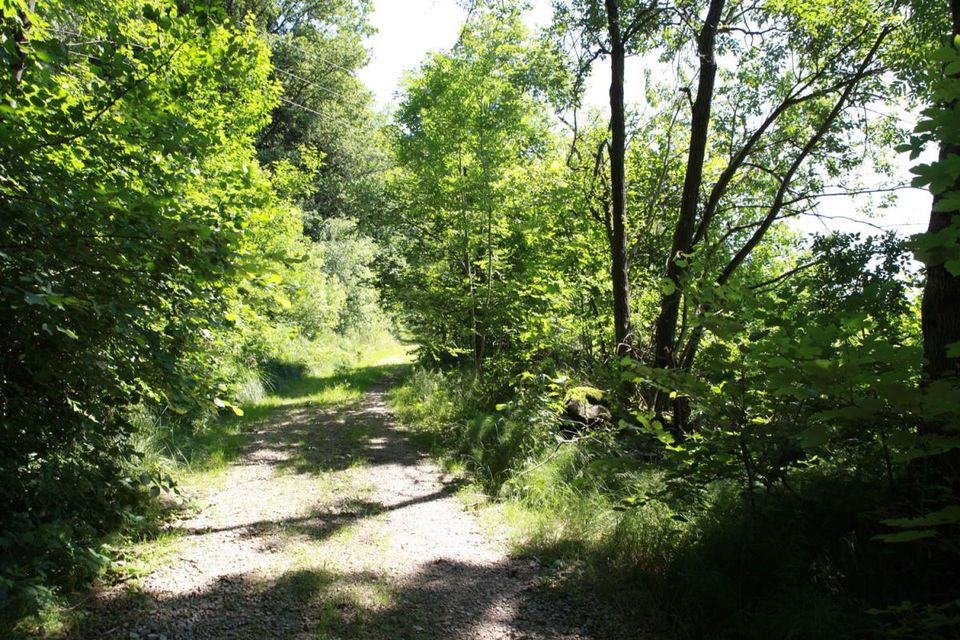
{"x":333,"y":525}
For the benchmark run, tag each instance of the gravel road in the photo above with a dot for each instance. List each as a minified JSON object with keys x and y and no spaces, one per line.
{"x":333,"y":525}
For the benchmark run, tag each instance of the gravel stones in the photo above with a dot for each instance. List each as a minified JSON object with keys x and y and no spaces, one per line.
{"x":333,"y":525}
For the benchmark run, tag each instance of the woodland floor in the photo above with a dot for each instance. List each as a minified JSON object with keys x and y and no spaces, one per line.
{"x":332,"y":524}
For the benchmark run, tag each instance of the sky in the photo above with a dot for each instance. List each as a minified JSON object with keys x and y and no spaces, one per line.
{"x":407,"y":30}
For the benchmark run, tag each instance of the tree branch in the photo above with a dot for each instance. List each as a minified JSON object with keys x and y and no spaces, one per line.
{"x":779,"y":199}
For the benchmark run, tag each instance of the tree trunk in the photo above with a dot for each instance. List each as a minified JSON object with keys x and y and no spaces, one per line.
{"x":21,"y":39}
{"x":941,"y":295}
{"x":665,"y":337}
{"x":618,"y":146}
{"x":940,"y":321}
{"x":488,"y":206}
{"x":468,"y":267}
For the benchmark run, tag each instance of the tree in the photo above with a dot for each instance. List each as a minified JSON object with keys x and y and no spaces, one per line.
{"x":612,"y":29}
{"x":940,"y":245}
{"x":939,"y":250}
{"x":317,"y":49}
{"x":467,"y":121}
{"x":134,"y":221}
{"x":664,"y":339}
{"x":782,"y":130}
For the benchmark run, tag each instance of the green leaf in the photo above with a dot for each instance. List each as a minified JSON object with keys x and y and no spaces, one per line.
{"x":948,"y":203}
{"x":947,"y":515}
{"x":953,"y":351}
{"x":68,"y":333}
{"x":815,"y":436}
{"x":906,"y":536}
{"x":222,"y":404}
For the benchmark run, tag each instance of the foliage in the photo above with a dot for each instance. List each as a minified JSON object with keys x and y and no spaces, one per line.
{"x":111,"y":182}
{"x":199,"y":206}
{"x":148,"y":264}
{"x":940,"y":175}
{"x":469,"y":142}
{"x":316,"y":49}
{"x":790,"y":422}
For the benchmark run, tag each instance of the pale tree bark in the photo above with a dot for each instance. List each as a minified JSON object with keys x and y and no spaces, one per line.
{"x":468,"y":263}
{"x":21,"y":42}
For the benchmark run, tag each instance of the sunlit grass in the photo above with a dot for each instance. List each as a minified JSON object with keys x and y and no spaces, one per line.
{"x":140,"y":559}
{"x":200,"y":461}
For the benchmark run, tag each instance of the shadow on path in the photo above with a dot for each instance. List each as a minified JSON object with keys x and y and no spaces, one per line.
{"x":304,"y":438}
{"x":323,"y":522}
{"x":443,"y":596}
{"x":444,"y":600}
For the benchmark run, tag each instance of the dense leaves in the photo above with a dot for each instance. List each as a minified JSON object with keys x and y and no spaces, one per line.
{"x":764,"y":367}
{"x":145,"y":254}
{"x":631,"y":335}
{"x":127,"y":213}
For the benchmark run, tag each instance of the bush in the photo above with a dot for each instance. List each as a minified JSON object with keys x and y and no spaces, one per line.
{"x":680,"y":539}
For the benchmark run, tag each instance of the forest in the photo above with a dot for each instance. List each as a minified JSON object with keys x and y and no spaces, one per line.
{"x":622,"y":327}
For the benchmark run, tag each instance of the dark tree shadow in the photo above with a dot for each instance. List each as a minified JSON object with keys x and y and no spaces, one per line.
{"x":324,"y":521}
{"x":230,"y":437}
{"x":304,"y":438}
{"x":303,"y":385}
{"x":444,"y":600}
{"x":516,"y":598}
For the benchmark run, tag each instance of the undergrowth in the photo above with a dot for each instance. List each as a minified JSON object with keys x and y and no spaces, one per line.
{"x":695,"y":563}
{"x":177,"y":459}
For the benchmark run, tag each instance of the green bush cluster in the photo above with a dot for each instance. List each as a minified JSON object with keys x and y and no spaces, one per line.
{"x":154,"y":276}
{"x":775,"y":515}
{"x":127,"y":223}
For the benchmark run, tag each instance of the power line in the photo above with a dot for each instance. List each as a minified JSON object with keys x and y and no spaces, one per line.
{"x":320,"y":86}
{"x":339,"y":121}
{"x":317,"y":58}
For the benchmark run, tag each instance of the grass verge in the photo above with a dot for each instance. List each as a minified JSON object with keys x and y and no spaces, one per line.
{"x":197,"y":461}
{"x":800,"y":565}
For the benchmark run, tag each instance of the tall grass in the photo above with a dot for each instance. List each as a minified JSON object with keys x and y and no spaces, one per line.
{"x":703,"y":566}
{"x":182,"y":455}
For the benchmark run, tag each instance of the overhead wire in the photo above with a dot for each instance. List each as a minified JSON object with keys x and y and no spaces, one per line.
{"x":340,"y":121}
{"x":320,"y":87}
{"x":313,"y":56}
{"x":317,"y":58}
